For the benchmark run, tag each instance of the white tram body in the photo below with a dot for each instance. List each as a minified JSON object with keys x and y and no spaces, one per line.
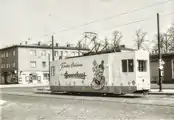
{"x":118,"y":73}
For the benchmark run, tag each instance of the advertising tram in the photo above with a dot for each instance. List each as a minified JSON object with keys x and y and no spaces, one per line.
{"x":116,"y":72}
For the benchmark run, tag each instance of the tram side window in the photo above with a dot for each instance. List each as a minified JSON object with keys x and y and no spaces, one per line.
{"x":124,"y":65}
{"x":142,"y":65}
{"x":127,"y":65}
{"x":131,"y":65}
{"x":52,"y":71}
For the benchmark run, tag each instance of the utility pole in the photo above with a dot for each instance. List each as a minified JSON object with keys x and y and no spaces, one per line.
{"x":159,"y":54}
{"x":52,"y":48}
{"x":49,"y":67}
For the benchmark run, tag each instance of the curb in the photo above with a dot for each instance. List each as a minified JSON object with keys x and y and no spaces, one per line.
{"x":158,"y":93}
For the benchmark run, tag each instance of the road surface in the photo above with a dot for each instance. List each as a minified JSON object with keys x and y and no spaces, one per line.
{"x":23,"y":104}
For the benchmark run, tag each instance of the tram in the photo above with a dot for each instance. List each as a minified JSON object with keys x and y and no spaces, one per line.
{"x":115,"y":72}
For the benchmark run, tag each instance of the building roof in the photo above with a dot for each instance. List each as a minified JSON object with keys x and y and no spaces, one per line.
{"x":111,"y":50}
{"x":171,"y":54}
{"x":43,"y":47}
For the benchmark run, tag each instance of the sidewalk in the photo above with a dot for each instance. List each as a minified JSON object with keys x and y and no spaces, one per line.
{"x":24,"y":85}
{"x":164,"y":86}
{"x":163,"y":92}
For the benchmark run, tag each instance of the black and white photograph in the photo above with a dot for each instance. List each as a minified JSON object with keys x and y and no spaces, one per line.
{"x":86,"y":59}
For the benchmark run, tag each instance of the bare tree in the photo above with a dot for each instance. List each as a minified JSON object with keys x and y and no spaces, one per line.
{"x":170,"y":34}
{"x":117,"y":38}
{"x":166,"y":40}
{"x":140,"y":39}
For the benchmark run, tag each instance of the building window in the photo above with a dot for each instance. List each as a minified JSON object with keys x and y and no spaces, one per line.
{"x":2,"y":55}
{"x":34,"y":77}
{"x":7,"y":65}
{"x":44,"y":64}
{"x":45,"y":76}
{"x":55,"y":53}
{"x":73,"y":54}
{"x":33,"y":64}
{"x":2,"y":66}
{"x":52,"y":71}
{"x":33,"y":52}
{"x":127,"y":65}
{"x":66,"y":53}
{"x":43,"y":53}
{"x":6,"y":54}
{"x":14,"y":52}
{"x":13,"y":64}
{"x":61,"y":55}
{"x":142,"y":65}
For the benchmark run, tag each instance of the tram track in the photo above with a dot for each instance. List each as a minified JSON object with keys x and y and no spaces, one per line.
{"x":139,"y":100}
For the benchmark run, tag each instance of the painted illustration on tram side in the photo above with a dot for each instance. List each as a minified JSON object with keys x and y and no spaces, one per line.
{"x":98,"y":81}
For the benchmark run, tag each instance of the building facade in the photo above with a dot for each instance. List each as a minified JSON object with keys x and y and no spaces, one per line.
{"x":168,"y":74}
{"x":1,"y":82}
{"x":8,"y":65}
{"x":25,"y":64}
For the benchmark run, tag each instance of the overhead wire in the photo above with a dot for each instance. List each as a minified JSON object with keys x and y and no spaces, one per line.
{"x":138,"y":21}
{"x":114,"y":16}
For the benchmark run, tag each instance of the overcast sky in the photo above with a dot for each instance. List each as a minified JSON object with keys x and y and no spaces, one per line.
{"x":21,"y":19}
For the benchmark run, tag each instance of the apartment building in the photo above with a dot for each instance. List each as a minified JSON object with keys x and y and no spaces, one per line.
{"x":25,"y":64}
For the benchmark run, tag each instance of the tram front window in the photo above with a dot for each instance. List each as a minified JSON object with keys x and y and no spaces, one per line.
{"x":142,"y":65}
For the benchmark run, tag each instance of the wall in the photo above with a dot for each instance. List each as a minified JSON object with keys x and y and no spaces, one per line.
{"x":167,"y":71}
{"x":154,"y":71}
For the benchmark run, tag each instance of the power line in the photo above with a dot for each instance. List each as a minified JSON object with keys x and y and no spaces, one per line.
{"x":114,"y":16}
{"x":133,"y":22}
{"x":138,"y":21}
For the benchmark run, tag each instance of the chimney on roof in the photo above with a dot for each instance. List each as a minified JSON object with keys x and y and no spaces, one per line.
{"x":39,"y":43}
{"x":122,"y":46}
{"x":57,"y":44}
{"x":20,"y":43}
{"x":68,"y":45}
{"x":25,"y":42}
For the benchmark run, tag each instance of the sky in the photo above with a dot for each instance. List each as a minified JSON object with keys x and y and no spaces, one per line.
{"x":39,"y":19}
